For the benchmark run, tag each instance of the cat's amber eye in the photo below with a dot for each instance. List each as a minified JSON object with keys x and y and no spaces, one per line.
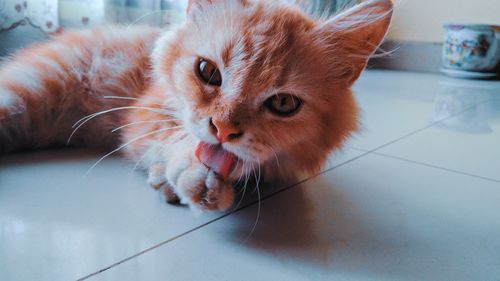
{"x":283,"y":105}
{"x":209,"y":73}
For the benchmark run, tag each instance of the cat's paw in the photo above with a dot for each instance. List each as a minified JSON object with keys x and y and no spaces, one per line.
{"x":158,"y":181}
{"x":202,"y":189}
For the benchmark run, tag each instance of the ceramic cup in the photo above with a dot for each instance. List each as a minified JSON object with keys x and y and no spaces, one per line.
{"x":471,"y":47}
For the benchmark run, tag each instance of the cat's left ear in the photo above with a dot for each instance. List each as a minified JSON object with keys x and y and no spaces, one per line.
{"x":354,"y":35}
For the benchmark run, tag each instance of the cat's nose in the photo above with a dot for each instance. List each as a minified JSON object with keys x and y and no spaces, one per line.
{"x":224,"y":132}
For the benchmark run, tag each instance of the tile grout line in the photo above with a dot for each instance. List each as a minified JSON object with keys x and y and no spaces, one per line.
{"x":152,"y":248}
{"x":433,"y":166}
{"x":374,"y":150}
{"x":219,"y":218}
{"x":277,"y":192}
{"x":424,"y":128}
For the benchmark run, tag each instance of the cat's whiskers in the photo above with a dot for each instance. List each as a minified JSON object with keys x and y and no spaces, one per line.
{"x":153,"y":148}
{"x":275,"y":156}
{"x":141,"y":122}
{"x":163,"y":146}
{"x":257,"y":179}
{"x":129,"y":98}
{"x":277,"y":161}
{"x":125,"y":145}
{"x":80,"y":123}
{"x":114,"y":109}
{"x":247,"y":173}
{"x":243,"y":191}
{"x":244,"y":173}
{"x":238,"y":161}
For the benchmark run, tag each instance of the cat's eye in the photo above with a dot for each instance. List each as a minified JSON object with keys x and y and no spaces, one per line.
{"x":283,"y":105}
{"x":209,"y":73}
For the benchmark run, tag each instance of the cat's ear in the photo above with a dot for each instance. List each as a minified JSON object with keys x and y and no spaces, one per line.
{"x":353,"y":35}
{"x":195,"y":4}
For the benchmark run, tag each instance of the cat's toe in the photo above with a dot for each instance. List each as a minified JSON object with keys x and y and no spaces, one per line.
{"x":204,"y":191}
{"x":170,"y":195}
{"x":217,"y":195}
{"x":158,"y":181}
{"x":167,"y":191}
{"x":156,"y":176}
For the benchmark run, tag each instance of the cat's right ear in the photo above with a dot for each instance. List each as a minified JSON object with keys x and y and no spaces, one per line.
{"x":352,"y":36}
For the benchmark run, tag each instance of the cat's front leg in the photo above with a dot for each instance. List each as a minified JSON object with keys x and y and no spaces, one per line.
{"x":158,"y":181}
{"x":193,"y":183}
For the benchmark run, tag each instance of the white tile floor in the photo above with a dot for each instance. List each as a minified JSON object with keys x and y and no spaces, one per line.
{"x":416,"y":196}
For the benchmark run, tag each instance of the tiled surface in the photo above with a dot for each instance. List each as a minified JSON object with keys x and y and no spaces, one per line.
{"x":58,"y":224}
{"x":357,"y":222}
{"x":469,"y":142}
{"x":416,"y":198}
{"x":395,"y":104}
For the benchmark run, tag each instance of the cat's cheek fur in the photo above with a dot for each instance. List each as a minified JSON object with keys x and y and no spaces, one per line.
{"x":197,"y":127}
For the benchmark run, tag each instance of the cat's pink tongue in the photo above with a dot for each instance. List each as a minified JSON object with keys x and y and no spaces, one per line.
{"x":216,"y":158}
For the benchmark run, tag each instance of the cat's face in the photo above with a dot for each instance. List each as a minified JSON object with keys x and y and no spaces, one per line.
{"x":263,"y":78}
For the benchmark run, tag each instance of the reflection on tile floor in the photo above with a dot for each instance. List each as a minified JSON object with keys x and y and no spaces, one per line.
{"x":415,"y":196}
{"x":57,"y":224}
{"x":468,"y":143}
{"x":393,"y":108}
{"x":358,"y":222}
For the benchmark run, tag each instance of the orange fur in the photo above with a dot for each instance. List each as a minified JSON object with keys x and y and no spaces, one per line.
{"x":262,"y":48}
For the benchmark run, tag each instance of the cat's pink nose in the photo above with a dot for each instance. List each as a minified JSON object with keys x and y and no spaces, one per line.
{"x":224,"y":132}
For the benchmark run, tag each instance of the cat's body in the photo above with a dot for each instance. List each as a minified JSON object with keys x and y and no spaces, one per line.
{"x":243,"y":87}
{"x":47,"y":88}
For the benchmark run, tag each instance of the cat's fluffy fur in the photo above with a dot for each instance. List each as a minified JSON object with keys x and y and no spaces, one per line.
{"x":144,"y":81}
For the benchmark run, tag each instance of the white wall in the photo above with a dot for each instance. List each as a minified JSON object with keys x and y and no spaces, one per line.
{"x":422,"y":20}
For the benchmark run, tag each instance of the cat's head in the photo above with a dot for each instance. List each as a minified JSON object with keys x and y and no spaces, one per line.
{"x":267,"y":80}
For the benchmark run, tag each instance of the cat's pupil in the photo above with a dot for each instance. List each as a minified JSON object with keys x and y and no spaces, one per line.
{"x":283,"y":102}
{"x":283,"y":105}
{"x":209,"y":73}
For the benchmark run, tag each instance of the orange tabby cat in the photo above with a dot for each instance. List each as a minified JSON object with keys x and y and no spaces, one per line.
{"x":242,"y":85}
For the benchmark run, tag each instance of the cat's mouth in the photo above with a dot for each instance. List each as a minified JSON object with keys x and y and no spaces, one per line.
{"x":216,"y":158}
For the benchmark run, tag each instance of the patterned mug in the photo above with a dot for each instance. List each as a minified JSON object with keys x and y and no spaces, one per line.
{"x":471,"y":47}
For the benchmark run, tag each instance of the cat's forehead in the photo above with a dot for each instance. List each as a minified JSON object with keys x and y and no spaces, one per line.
{"x":251,"y":27}
{"x":251,"y":43}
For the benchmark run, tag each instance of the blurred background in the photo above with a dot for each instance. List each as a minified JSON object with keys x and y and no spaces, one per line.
{"x":416,"y":34}
{"x":26,"y":21}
